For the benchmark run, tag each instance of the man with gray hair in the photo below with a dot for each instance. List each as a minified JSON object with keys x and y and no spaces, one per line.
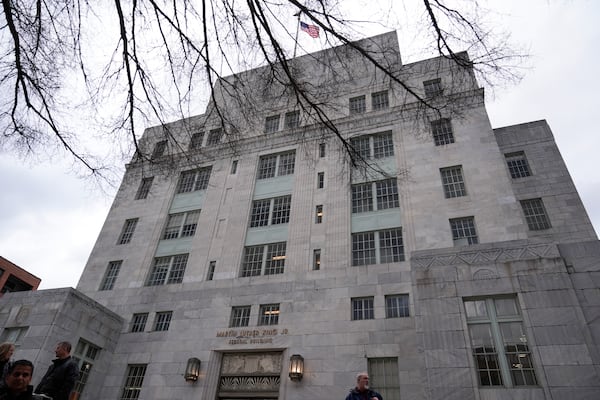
{"x":61,"y":376}
{"x":362,"y":390}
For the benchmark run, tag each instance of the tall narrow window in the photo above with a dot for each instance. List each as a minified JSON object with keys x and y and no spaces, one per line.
{"x":196,"y":179}
{"x":162,"y":320}
{"x":211,"y":270}
{"x":240,"y":316}
{"x":316,"y":259}
{"x":320,"y":180}
{"x":110,"y":276}
{"x":85,"y":355}
{"x":380,"y":100}
{"x":357,"y":105}
{"x":144,"y":188}
{"x":433,"y":87}
{"x":318,"y":214}
{"x":159,"y":149}
{"x":127,"y":231}
{"x":272,"y":124}
{"x":292,"y":119}
{"x":268,"y":314}
{"x":453,"y":182}
{"x":463,"y":231}
{"x":362,"y":308}
{"x":535,"y":214}
{"x":234,"y":165}
{"x":499,"y":342}
{"x":167,"y":270}
{"x":181,"y":225}
{"x":442,"y":132}
{"x":396,"y":306}
{"x":322,"y":148}
{"x":138,"y":322}
{"x":517,"y":165}
{"x":196,"y":140}
{"x":383,"y":375}
{"x":133,"y":381}
{"x":214,"y":137}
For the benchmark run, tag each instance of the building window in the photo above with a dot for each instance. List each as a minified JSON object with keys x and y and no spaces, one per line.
{"x":271,"y":211}
{"x":276,"y":165}
{"x":517,"y":165}
{"x":433,"y":87}
{"x":196,"y":179}
{"x":168,"y":270}
{"x":110,"y":276}
{"x":159,"y":149}
{"x":127,"y":232}
{"x":535,"y":214}
{"x":357,"y":105}
{"x":379,"y":145}
{"x":240,"y":316}
{"x":181,"y":225}
{"x":85,"y":354}
{"x":268,"y":314}
{"x":453,"y":182}
{"x":144,"y":188}
{"x":14,"y":334}
{"x":318,"y":214}
{"x":316,"y":259}
{"x":499,"y":343}
{"x":234,"y":165}
{"x":292,"y":119}
{"x":463,"y":231}
{"x":214,"y":137}
{"x":362,"y":308}
{"x":322,"y":148}
{"x":138,"y":322}
{"x":380,"y":100}
{"x":162,"y":320}
{"x":196,"y":140}
{"x":396,"y":306}
{"x":377,"y":247}
{"x":383,"y":375}
{"x":320,"y":180}
{"x":211,"y":270}
{"x":272,"y":124}
{"x":442,"y":132}
{"x":133,"y":381}
{"x":386,"y":193}
{"x":269,"y":258}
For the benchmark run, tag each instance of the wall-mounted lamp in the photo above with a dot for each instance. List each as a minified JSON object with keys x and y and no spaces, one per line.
{"x":192,"y":370}
{"x":296,"y":367}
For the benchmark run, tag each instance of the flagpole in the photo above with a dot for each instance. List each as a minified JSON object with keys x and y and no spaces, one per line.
{"x":297,"y":29}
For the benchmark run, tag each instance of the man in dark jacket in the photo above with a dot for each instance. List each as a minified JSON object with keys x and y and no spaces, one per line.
{"x":362,"y":391}
{"x":61,"y":375}
{"x":17,"y":378}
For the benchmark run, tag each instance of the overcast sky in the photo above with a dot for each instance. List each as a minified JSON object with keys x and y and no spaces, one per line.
{"x":50,"y":219}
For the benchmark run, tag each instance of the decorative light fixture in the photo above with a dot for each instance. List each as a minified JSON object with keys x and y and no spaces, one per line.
{"x":192,"y":370}
{"x":296,"y":367}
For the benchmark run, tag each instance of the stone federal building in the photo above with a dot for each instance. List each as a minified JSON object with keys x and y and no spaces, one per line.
{"x":255,"y":261}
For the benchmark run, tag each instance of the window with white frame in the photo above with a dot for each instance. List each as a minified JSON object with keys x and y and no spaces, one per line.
{"x":453,"y":182}
{"x":272,"y":124}
{"x":362,"y":308}
{"x":273,"y":165}
{"x":127,"y":231}
{"x":159,"y":149}
{"x":396,"y":306}
{"x":357,"y":105}
{"x":264,"y":259}
{"x":133,"y":381}
{"x":211,"y":270}
{"x":377,"y":247}
{"x":319,"y":214}
{"x":110,"y":276}
{"x":138,"y":322}
{"x":380,"y":100}
{"x":292,"y":119}
{"x":499,"y":342}
{"x":144,"y":188}
{"x":167,"y":270}
{"x":383,"y":375}
{"x":385,"y":193}
{"x":273,"y":211}
{"x":85,"y":355}
{"x":214,"y":137}
{"x":433,"y":87}
{"x":379,"y":145}
{"x":320,"y":180}
{"x":463,"y":231}
{"x":181,"y":225}
{"x":442,"y":132}
{"x":196,"y":140}
{"x":316,"y":259}
{"x":535,"y":214}
{"x":192,"y":180}
{"x":268,"y":314}
{"x":240,"y":316}
{"x":517,"y":165}
{"x":322,"y":148}
{"x":162,"y":320}
{"x":234,"y":165}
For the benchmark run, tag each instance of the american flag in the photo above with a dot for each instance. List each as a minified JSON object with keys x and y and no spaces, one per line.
{"x":312,"y":30}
